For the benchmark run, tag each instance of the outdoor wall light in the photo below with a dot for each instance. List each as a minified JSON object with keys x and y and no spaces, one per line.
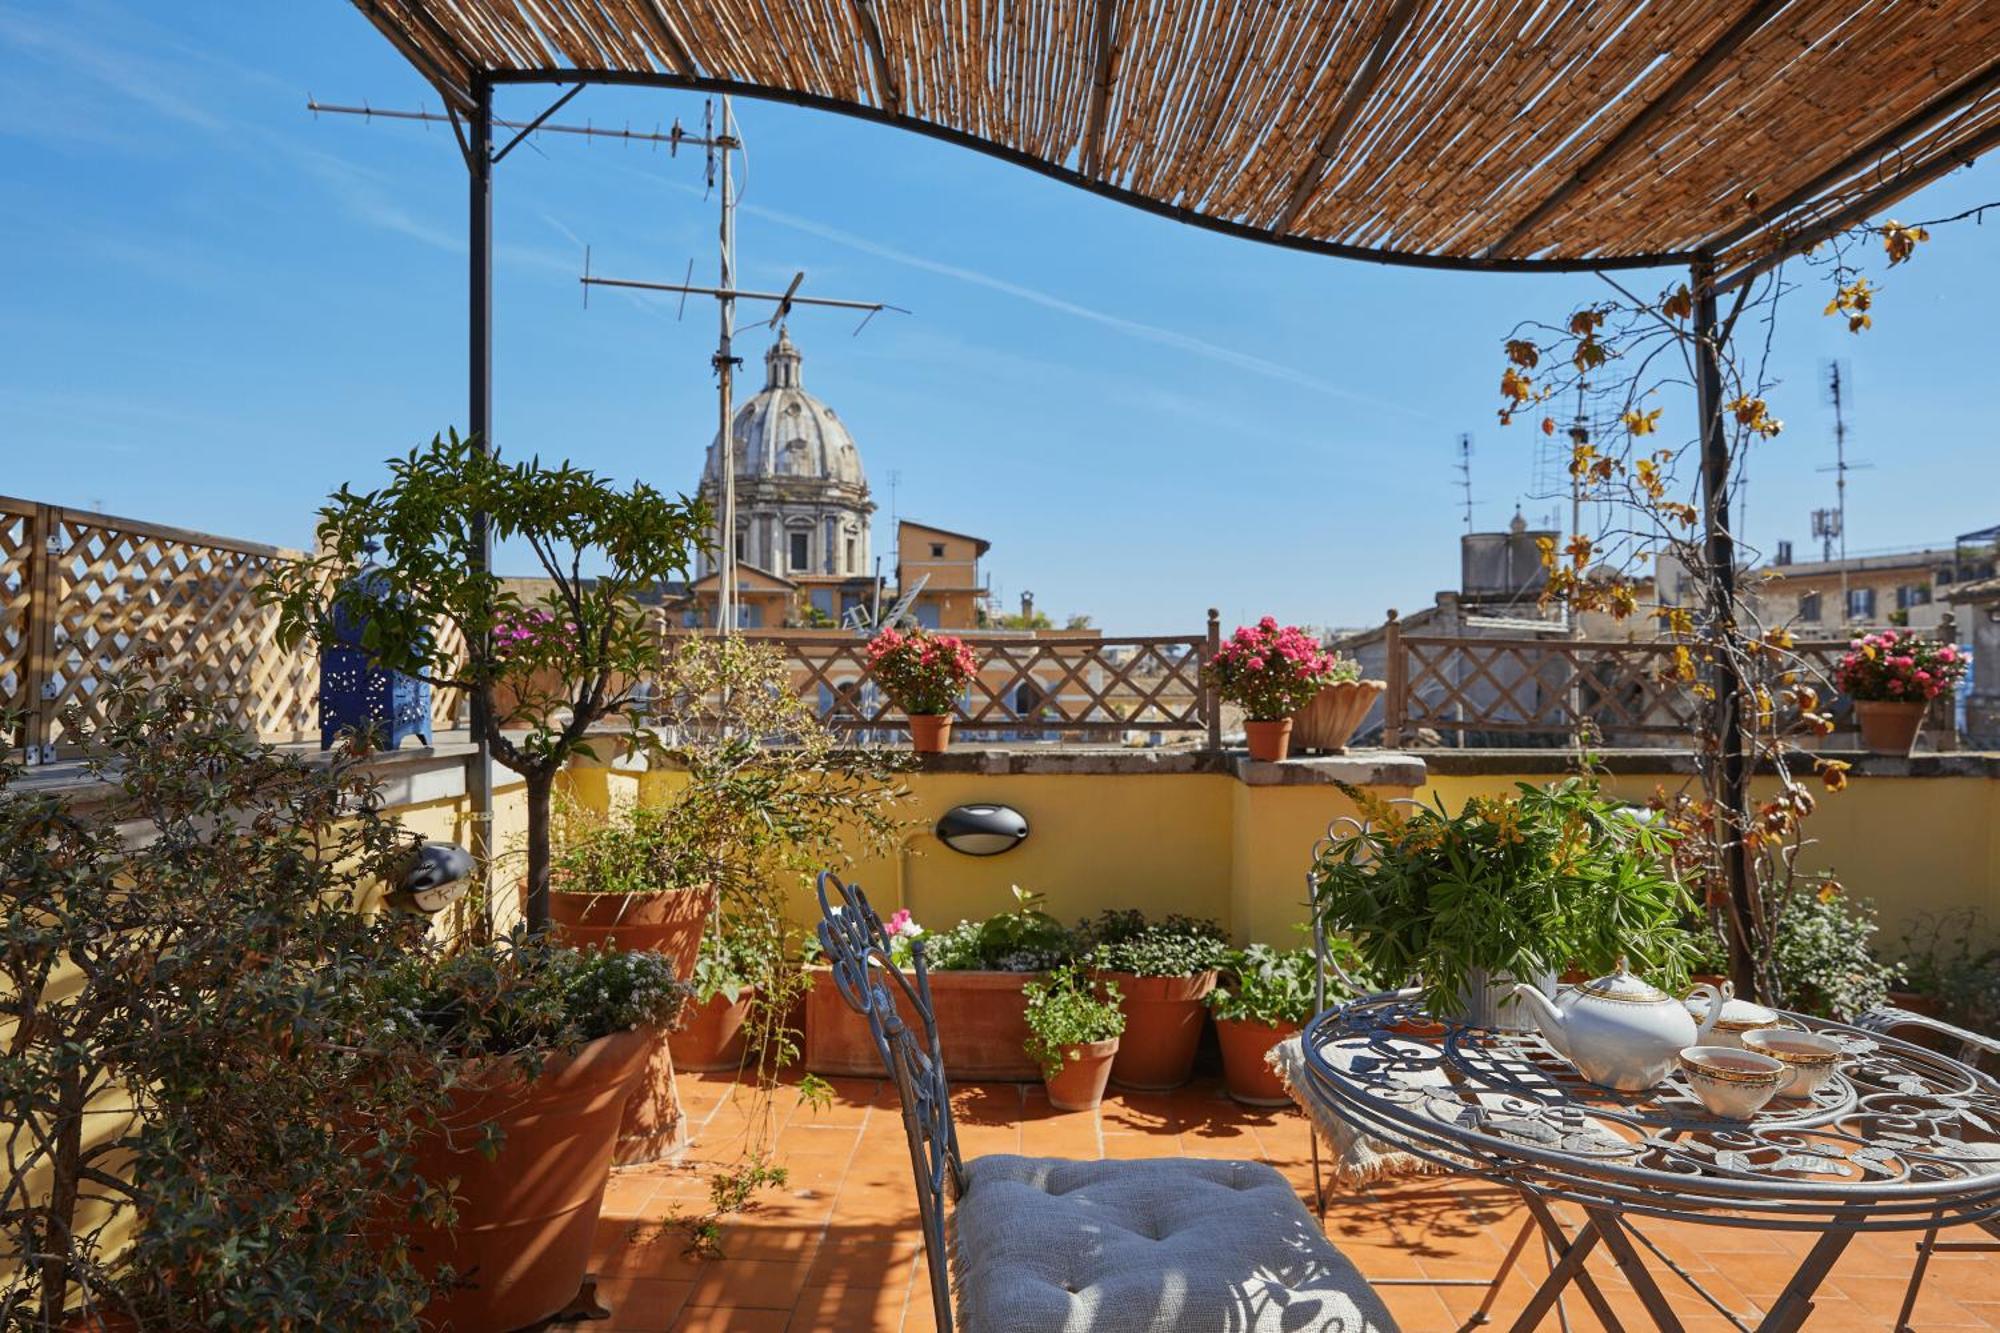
{"x":982,"y":830}
{"x":435,"y":875}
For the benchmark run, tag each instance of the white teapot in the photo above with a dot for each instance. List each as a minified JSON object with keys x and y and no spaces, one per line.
{"x":1617,"y":1030}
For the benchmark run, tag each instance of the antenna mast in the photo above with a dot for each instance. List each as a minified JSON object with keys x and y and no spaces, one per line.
{"x":1465,"y":475}
{"x":1836,"y":530}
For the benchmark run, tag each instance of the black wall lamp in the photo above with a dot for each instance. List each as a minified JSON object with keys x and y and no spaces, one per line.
{"x":982,"y":830}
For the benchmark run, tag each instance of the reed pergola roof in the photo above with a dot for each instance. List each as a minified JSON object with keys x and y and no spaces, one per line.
{"x":1459,"y":133}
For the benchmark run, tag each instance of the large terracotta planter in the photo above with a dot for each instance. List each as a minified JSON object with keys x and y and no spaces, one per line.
{"x":710,"y":1036}
{"x":982,"y":1020}
{"x":1328,"y":722}
{"x":1888,"y":727}
{"x":1086,"y":1069}
{"x":1269,"y":741}
{"x":668,"y":922}
{"x":1245,"y":1043}
{"x":930,"y":733}
{"x":1163,"y":1018}
{"x":528,"y":1214}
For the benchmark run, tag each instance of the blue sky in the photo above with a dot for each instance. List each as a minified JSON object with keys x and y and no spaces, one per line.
{"x":214,"y":309}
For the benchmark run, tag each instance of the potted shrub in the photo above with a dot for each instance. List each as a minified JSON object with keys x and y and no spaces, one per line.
{"x":710,"y":1034}
{"x":1263,"y":997}
{"x":1270,"y":672}
{"x":540,"y":1046}
{"x":1073,"y":1035}
{"x":574,"y":652}
{"x":629,"y":880}
{"x":1164,"y":970}
{"x":1511,"y":887}
{"x":1329,"y":720}
{"x":923,"y":674}
{"x":978,"y":975}
{"x":184,"y":937}
{"x":1892,"y":678}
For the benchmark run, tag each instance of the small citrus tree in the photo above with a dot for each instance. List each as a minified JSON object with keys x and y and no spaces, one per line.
{"x":571,"y":656}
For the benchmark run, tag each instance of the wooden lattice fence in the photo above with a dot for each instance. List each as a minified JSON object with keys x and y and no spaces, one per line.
{"x":1060,"y":685}
{"x":1473,"y":690}
{"x":81,"y":592}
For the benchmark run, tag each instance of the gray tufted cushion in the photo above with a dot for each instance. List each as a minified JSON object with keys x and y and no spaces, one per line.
{"x":1051,"y":1245}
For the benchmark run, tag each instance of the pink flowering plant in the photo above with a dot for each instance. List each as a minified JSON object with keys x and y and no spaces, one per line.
{"x":1898,"y":666}
{"x":529,"y":634}
{"x":924,"y":673}
{"x":1271,"y":671}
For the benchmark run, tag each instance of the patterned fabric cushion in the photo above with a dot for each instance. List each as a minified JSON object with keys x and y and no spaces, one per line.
{"x":1170,"y":1245}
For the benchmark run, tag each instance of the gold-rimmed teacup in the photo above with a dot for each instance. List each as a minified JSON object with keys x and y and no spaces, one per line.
{"x":1733,"y":1082}
{"x":1810,"y":1056}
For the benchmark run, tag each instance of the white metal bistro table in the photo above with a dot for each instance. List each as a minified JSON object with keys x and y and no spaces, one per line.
{"x":1899,"y":1139}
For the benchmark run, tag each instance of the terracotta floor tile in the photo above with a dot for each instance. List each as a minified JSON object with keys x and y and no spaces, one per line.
{"x":727,"y":1319}
{"x":642,"y":1305}
{"x":749,"y":1283}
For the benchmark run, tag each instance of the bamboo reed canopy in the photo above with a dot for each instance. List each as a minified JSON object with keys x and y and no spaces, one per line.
{"x":1497,"y":134}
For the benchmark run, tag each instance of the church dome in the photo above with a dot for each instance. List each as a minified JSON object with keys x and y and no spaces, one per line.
{"x":784,"y":434}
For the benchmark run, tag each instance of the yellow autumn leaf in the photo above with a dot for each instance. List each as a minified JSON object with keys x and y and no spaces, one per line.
{"x":1642,"y":423}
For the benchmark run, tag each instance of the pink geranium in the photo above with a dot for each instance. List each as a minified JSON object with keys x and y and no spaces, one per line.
{"x":1898,"y":665}
{"x":1272,"y":671}
{"x":924,"y":673}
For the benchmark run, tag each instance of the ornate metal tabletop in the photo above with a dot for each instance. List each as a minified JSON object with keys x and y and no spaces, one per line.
{"x":1899,"y":1138}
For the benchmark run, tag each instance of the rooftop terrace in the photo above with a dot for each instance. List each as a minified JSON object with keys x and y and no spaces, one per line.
{"x":837,"y":1248}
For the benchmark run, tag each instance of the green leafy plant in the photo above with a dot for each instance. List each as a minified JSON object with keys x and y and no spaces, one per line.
{"x":570,"y":657}
{"x":1261,"y":985}
{"x":633,"y":848}
{"x":1176,"y":946}
{"x":731,"y":959}
{"x":1026,"y":939}
{"x":186,"y":969}
{"x":1951,"y":957}
{"x":1529,"y":884}
{"x":1068,"y":1009}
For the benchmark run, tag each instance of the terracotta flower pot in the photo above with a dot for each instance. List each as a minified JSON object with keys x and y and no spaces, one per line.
{"x":1269,"y":741}
{"x":930,"y":733}
{"x":1086,"y":1069}
{"x":982,"y":1020}
{"x":710,"y":1036}
{"x":1163,"y":1018}
{"x":1888,"y":727}
{"x":1245,"y":1043}
{"x":527,"y":1215}
{"x":669,"y":921}
{"x":1328,"y":722}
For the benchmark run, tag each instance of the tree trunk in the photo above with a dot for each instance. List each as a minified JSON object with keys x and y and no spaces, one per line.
{"x":541,"y":792}
{"x":66,"y":1176}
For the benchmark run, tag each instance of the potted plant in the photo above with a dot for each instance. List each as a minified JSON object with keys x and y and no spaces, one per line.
{"x":592,"y":637}
{"x":1263,"y":997}
{"x":924,"y":674}
{"x":1329,"y":720}
{"x":978,"y":973}
{"x":710,"y":1035}
{"x":1892,"y":678}
{"x":1073,"y":1035}
{"x":540,"y":1046}
{"x":1270,"y":672}
{"x":1164,"y":970}
{"x":1510,"y":888}
{"x":628,"y":879}
{"x":185,"y":937}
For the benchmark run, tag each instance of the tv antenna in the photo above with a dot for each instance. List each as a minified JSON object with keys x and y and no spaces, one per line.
{"x":1464,"y":469}
{"x":717,"y":144}
{"x":1831,"y":526}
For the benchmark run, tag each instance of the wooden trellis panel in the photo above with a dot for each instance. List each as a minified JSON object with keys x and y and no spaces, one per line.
{"x":1025,"y":685}
{"x":80,"y":593}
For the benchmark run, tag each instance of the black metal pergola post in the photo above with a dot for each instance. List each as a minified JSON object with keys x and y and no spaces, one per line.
{"x":479,"y":422}
{"x":1726,"y":709}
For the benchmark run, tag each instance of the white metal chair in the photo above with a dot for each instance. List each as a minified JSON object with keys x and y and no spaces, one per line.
{"x":1051,"y":1245}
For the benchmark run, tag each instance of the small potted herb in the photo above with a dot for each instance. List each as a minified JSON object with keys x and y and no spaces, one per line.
{"x":1165,"y":970}
{"x":710,"y":1035}
{"x":1270,"y":672}
{"x":630,"y":879}
{"x":1263,"y":997}
{"x":1073,"y":1035}
{"x":1510,"y":888}
{"x":924,"y":674}
{"x":1892,"y":678}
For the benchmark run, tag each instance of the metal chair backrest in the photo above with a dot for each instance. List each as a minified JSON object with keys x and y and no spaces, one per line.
{"x":857,"y":949}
